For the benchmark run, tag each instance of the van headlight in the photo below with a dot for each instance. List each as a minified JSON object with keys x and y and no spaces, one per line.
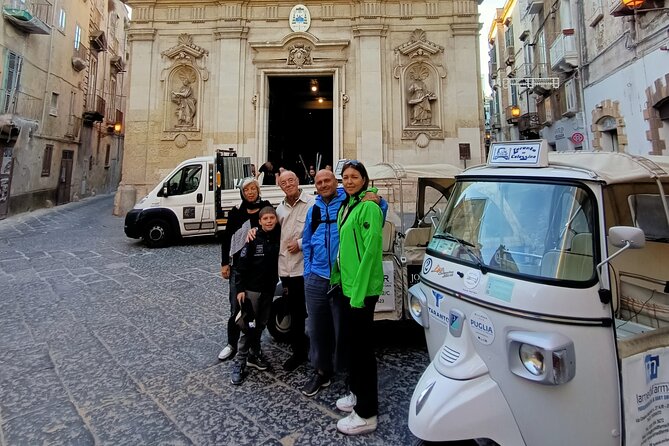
{"x":418,"y":305}
{"x":547,"y":358}
{"x":415,"y":306}
{"x":532,"y":358}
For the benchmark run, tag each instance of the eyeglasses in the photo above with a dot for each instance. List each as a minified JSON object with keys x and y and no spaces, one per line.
{"x":349,"y":163}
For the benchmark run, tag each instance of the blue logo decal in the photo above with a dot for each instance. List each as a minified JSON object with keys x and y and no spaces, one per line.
{"x":652,"y":363}
{"x":427,"y":265}
{"x":455,"y":321}
{"x":437,"y":298}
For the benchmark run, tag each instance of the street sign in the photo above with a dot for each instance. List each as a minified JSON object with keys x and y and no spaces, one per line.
{"x":531,"y":82}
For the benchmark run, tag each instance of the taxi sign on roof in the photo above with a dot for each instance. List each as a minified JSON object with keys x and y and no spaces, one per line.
{"x":530,"y":153}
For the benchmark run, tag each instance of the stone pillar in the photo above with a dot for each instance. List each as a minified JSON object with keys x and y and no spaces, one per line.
{"x":229,"y":119}
{"x":370,"y":107}
{"x":137,"y":125}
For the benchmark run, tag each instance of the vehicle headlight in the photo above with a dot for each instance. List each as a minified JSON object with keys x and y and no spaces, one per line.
{"x":415,"y":307}
{"x":532,"y":358}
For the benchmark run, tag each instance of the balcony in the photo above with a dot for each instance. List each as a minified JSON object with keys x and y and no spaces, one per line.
{"x":73,"y":127}
{"x":529,"y":123}
{"x":509,"y":55}
{"x":95,"y":109}
{"x":564,"y":57}
{"x":533,"y":6}
{"x":80,"y":57}
{"x":31,"y":17}
{"x":21,"y":104}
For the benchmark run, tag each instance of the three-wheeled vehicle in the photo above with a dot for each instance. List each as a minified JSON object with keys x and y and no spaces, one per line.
{"x":416,"y":195}
{"x":544,"y":296}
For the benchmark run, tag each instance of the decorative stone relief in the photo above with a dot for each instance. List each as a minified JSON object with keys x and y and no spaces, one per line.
{"x":420,"y":81}
{"x":299,"y":55}
{"x":183,"y":81}
{"x":656,"y":95}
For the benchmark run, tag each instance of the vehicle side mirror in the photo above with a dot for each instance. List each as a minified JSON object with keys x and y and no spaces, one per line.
{"x":165,"y":192}
{"x":621,"y":236}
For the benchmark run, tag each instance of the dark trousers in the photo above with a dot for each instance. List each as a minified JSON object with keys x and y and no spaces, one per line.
{"x":363,"y":378}
{"x":233,"y":328}
{"x":250,"y":341}
{"x":298,"y":314}
{"x":327,"y":311}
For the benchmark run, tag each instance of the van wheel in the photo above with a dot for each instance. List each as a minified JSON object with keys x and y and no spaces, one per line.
{"x":279,"y":323}
{"x":156,"y":234}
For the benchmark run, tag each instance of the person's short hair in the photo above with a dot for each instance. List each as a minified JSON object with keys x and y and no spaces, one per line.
{"x":267,"y":210}
{"x":357,"y":165}
{"x":250,"y":180}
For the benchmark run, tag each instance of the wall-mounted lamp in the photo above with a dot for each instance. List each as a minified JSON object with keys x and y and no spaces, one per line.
{"x":633,"y":4}
{"x":515,"y":111}
{"x":117,"y":128}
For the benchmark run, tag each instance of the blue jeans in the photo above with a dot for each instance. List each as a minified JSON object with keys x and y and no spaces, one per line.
{"x":326,"y":323}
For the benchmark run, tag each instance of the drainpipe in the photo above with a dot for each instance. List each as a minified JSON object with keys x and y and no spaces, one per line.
{"x":47,"y":101}
{"x":582,"y":51}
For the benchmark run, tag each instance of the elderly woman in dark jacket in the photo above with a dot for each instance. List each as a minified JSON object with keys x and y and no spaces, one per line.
{"x":240,"y":219}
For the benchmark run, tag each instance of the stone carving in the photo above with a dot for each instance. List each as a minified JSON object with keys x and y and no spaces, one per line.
{"x":184,"y":98}
{"x":420,"y":97}
{"x":299,"y":55}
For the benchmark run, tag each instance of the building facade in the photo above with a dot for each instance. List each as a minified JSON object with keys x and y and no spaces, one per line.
{"x":402,"y":84}
{"x":62,"y":96}
{"x":593,"y":74}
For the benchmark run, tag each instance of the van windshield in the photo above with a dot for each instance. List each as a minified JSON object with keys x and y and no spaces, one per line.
{"x":544,"y":231}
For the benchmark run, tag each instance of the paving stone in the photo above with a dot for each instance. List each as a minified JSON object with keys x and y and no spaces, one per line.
{"x":30,"y":390}
{"x":57,"y":424}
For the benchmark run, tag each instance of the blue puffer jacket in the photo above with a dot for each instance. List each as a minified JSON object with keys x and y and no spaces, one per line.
{"x":325,"y":239}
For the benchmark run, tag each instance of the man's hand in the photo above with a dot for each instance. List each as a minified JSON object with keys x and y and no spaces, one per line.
{"x":251,"y":235}
{"x":225,"y":271}
{"x":371,"y":196}
{"x":293,"y":247}
{"x":241,"y":296}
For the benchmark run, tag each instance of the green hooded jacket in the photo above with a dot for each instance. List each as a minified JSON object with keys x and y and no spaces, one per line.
{"x":359,"y":269}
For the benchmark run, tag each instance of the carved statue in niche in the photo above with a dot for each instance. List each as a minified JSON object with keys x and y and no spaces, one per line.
{"x":184,"y":98}
{"x":420,"y":97}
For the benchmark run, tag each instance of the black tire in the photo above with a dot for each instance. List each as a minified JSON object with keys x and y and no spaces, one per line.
{"x":157,"y":233}
{"x":279,"y":323}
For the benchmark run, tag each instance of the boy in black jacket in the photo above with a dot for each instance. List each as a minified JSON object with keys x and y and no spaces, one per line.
{"x":257,"y":277}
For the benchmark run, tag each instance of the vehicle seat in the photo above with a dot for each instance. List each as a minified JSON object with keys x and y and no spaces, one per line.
{"x":576,"y":264}
{"x":418,"y":236}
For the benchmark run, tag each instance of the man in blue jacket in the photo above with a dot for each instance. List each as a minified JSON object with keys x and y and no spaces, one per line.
{"x":325,"y":306}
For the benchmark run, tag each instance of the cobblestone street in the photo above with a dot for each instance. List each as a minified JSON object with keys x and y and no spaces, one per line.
{"x":103,"y":341}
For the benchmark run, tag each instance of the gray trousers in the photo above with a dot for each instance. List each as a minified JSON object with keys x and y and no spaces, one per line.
{"x":250,"y":339}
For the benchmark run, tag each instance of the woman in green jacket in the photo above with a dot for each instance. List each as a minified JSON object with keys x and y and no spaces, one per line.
{"x":359,"y":272}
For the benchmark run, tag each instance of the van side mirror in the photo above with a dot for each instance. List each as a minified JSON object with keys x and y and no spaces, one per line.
{"x":621,"y":236}
{"x":165,"y":191}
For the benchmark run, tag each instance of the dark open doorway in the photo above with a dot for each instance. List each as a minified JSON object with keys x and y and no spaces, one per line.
{"x":300,"y":122}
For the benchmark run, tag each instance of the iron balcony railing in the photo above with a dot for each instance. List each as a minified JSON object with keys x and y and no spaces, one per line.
{"x":21,"y":104}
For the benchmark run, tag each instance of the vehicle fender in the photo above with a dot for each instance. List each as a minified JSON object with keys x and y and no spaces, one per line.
{"x":164,"y":214}
{"x":445,"y":409}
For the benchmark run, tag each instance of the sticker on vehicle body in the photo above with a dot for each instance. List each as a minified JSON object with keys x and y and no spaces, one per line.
{"x":482,"y":327}
{"x":500,"y":289}
{"x":472,"y":279}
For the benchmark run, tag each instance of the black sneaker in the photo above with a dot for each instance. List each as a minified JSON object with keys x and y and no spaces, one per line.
{"x":293,"y":362}
{"x":238,"y":370}
{"x":257,"y":361}
{"x":316,"y":383}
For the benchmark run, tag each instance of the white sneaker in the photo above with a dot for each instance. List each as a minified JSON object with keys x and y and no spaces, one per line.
{"x":355,"y":425}
{"x":347,"y":403}
{"x":227,"y":352}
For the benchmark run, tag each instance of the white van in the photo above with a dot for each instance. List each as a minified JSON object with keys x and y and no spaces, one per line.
{"x":544,"y":295}
{"x":193,"y":200}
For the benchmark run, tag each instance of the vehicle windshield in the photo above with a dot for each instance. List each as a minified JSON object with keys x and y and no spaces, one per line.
{"x":540,"y":230}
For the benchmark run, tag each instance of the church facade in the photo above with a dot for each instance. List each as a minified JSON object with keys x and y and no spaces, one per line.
{"x":405,"y":82}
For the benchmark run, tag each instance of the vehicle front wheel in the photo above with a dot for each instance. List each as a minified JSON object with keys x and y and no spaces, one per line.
{"x":157,"y":234}
{"x":279,"y":323}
